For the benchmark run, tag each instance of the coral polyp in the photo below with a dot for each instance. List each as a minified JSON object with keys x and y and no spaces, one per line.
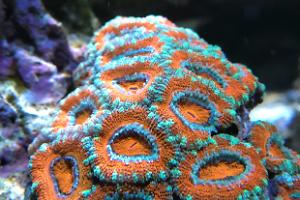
{"x":58,"y":171}
{"x":129,"y":81}
{"x":219,"y":170}
{"x":287,"y":186}
{"x":130,"y":148}
{"x":78,"y":112}
{"x":152,"y":118}
{"x":277,"y":157}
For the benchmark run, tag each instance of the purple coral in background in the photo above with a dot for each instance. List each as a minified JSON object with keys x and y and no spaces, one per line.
{"x":45,"y":82}
{"x":46,"y":33}
{"x":34,"y":47}
{"x":36,"y":66}
{"x":6,"y":59}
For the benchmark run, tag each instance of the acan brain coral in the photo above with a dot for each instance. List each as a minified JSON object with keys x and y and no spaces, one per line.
{"x":158,"y":113}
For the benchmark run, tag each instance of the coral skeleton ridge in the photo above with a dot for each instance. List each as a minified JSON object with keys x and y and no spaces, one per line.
{"x":158,"y":113}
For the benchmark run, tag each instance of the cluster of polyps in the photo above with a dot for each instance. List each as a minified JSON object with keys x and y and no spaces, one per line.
{"x":152,"y":118}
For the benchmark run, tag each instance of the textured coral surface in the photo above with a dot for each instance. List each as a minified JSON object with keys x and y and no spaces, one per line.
{"x":158,"y":113}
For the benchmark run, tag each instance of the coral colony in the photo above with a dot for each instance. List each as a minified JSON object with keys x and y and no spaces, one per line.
{"x":158,"y":113}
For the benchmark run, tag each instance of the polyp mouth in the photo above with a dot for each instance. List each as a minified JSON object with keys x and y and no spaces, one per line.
{"x":131,"y":84}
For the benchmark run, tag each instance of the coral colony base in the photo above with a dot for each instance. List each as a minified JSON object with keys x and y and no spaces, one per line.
{"x":158,"y":113}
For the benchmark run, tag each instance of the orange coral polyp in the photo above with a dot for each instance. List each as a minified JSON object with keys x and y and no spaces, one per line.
{"x":152,"y":42}
{"x":221,"y":170}
{"x":74,"y":110}
{"x":177,"y":35}
{"x":112,"y":78}
{"x":231,"y":86}
{"x":131,"y":145}
{"x":117,"y":30}
{"x":129,"y":165}
{"x":260,"y":133}
{"x":215,"y":182}
{"x":234,"y":88}
{"x":247,"y":78}
{"x":287,"y":187}
{"x":200,"y":43}
{"x":194,"y":113}
{"x":179,"y":56}
{"x":275,"y":151}
{"x":176,"y":85}
{"x":53,"y":176}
